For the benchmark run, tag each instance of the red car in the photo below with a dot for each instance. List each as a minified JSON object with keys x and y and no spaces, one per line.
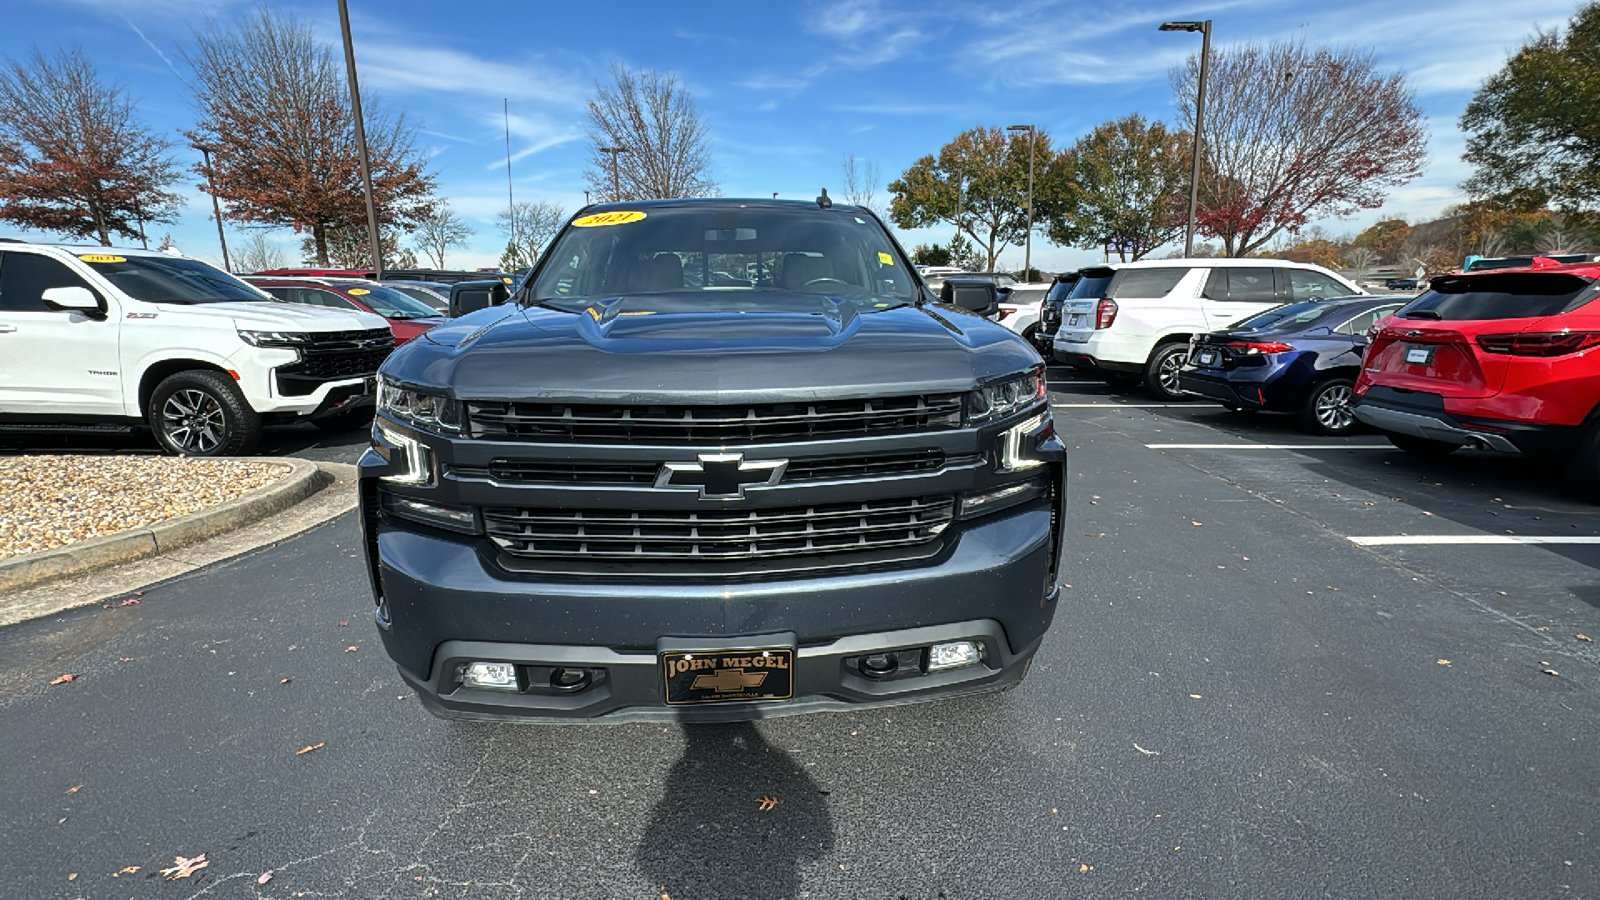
{"x":408,"y":316}
{"x":1507,"y":360}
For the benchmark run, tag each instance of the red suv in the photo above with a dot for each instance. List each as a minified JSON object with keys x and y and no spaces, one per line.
{"x":1504,"y":360}
{"x":408,"y":316}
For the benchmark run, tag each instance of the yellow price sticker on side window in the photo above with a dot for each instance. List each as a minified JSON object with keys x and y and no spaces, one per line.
{"x":885,"y":258}
{"x":102,"y":258}
{"x":608,"y":218}
{"x":356,"y":292}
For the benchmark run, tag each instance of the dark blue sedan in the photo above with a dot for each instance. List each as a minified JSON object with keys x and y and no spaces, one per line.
{"x":1299,"y":358}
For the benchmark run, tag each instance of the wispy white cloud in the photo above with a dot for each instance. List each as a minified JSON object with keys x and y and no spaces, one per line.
{"x":403,"y":67}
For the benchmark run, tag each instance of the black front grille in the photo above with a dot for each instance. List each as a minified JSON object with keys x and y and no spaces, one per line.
{"x":334,"y":356}
{"x":643,"y":474}
{"x":604,"y":534}
{"x":752,"y":423}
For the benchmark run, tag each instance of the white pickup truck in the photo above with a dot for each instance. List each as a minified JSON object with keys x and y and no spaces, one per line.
{"x":98,"y":337}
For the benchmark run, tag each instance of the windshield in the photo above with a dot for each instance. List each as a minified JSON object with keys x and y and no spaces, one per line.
{"x":172,"y":279}
{"x":690,"y":258}
{"x":1025,"y":296}
{"x":390,"y":303}
{"x":1519,"y":295}
{"x":434,"y":300}
{"x":1289,"y":317}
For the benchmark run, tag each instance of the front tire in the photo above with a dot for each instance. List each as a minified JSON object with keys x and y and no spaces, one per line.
{"x":1422,"y":446}
{"x":201,"y":412}
{"x":1326,"y":408}
{"x":1161,"y":373}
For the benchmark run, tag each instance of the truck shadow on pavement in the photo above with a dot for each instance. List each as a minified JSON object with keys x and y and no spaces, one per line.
{"x":738,"y":818}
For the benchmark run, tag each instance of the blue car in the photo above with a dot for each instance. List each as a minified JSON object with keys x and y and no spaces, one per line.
{"x":1300,"y":358}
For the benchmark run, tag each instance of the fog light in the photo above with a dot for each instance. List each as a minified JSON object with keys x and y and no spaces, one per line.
{"x":569,"y":679}
{"x":497,"y":676}
{"x":879,"y":664}
{"x":952,"y":655}
{"x":438,"y":515}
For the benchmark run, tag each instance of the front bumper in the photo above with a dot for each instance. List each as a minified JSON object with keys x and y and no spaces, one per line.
{"x":1423,"y":415}
{"x":445,"y":600}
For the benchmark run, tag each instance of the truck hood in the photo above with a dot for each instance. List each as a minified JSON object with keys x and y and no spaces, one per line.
{"x":270,"y":315}
{"x":710,"y":357}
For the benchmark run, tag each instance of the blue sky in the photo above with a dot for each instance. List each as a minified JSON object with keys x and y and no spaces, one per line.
{"x":786,"y":88}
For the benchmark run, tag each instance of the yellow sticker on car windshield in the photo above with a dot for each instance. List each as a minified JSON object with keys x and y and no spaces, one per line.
{"x":356,"y":292}
{"x":506,"y":280}
{"x":885,"y":258}
{"x":608,"y":218}
{"x":102,"y":258}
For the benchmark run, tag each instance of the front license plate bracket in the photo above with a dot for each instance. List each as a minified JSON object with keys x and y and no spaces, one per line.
{"x":726,"y":675}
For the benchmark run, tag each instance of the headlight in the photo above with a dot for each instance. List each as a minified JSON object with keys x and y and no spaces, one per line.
{"x":423,"y":409}
{"x":275,"y":338}
{"x":1001,"y":399}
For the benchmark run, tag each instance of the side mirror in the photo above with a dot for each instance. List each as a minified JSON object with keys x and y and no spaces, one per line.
{"x":972,"y":294}
{"x":471,"y":296}
{"x":73,"y":299}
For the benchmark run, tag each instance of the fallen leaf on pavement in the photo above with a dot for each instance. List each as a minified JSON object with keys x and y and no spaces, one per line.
{"x":125,"y":870}
{"x":63,"y":679}
{"x":1550,"y":671}
{"x":183,"y":868}
{"x":304,"y":750}
{"x":350,"y":649}
{"x":285,"y":680}
{"x":344,"y":623}
{"x":767,"y":804}
{"x":1444,"y":662}
{"x":1585,"y":638}
{"x":1196,"y":524}
{"x":74,"y":789}
{"x":129,"y":601}
{"x":1083,"y":867}
{"x":264,"y":877}
{"x":73,"y":877}
{"x":1194,"y":696}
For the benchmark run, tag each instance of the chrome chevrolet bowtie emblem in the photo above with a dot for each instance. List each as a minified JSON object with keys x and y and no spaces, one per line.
{"x":721,"y":476}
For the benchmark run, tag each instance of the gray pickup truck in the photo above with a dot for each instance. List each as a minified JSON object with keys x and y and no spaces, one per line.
{"x":715,"y":460}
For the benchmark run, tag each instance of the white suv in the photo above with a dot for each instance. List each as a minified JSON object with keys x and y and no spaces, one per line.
{"x":97,"y":337}
{"x":1132,"y":321}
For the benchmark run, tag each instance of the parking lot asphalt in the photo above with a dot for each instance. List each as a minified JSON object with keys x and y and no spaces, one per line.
{"x":1238,"y":698}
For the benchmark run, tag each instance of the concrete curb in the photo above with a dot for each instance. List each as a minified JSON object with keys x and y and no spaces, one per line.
{"x":303,"y":480}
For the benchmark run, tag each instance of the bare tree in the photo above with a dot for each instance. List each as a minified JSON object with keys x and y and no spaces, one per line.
{"x":274,"y":107}
{"x":1360,"y":258}
{"x":72,"y":158}
{"x":258,"y":254}
{"x":1493,"y":243}
{"x":1559,"y":239}
{"x":665,"y":150}
{"x":350,"y":247}
{"x":532,"y":226}
{"x":861,"y":182}
{"x":1294,"y":134}
{"x":438,"y":231}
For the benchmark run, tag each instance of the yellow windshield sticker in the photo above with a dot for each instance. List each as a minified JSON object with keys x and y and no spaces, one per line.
{"x":506,"y":280}
{"x":356,"y":292}
{"x":885,"y":258}
{"x":102,"y":258}
{"x":608,"y":218}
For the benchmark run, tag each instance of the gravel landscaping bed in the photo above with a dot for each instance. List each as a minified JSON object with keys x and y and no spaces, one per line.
{"x":51,"y":501}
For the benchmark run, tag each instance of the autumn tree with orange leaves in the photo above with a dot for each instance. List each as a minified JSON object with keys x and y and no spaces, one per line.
{"x":274,"y":110}
{"x":72,"y":159}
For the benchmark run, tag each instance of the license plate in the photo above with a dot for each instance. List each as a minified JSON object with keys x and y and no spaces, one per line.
{"x":718,"y":676}
{"x":1420,"y":355}
{"x":1073,"y":321}
{"x":1207,"y":358}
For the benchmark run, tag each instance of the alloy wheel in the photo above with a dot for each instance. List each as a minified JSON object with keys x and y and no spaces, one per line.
{"x":1168,"y":374}
{"x":1333,"y":408}
{"x":193,"y":421}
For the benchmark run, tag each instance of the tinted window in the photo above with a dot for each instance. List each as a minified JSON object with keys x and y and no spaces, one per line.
{"x":1360,"y":324}
{"x":24,"y":277}
{"x":172,"y":279}
{"x":1250,"y":285}
{"x":391,"y":304}
{"x":1304,"y":285}
{"x":1092,"y":286}
{"x":725,"y":256}
{"x":1157,"y":282}
{"x":315,"y":297}
{"x":1288,"y":317}
{"x":1509,"y":296}
{"x":1060,"y":290}
{"x":434,"y":301}
{"x":1025,"y":296}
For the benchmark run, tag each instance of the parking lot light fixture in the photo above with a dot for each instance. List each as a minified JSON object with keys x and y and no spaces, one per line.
{"x":1204,"y":27}
{"x":1027,"y":252}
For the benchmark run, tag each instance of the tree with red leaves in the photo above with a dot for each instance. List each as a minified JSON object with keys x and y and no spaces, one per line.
{"x":1294,"y":134}
{"x":275,"y":113}
{"x":72,"y":159}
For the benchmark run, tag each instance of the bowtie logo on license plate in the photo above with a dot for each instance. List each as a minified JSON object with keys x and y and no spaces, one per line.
{"x":721,"y":476}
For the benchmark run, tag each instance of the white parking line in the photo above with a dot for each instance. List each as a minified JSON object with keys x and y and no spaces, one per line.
{"x":1119,"y":405}
{"x":1473,"y":539}
{"x":1270,"y":446}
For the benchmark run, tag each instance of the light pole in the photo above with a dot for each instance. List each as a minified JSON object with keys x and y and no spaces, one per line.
{"x":1027,"y":253}
{"x":361,"y":140}
{"x":1199,"y":120}
{"x":216,"y":208}
{"x":616,"y":192}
